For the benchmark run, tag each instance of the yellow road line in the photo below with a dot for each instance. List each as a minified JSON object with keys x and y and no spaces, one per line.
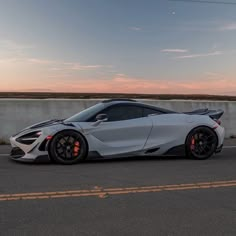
{"x":103,"y":192}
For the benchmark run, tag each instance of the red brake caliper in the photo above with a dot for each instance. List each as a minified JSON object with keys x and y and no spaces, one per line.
{"x":192,"y":143}
{"x":76,"y":148}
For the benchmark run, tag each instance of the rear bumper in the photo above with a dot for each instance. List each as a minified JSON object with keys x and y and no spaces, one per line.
{"x":219,"y":149}
{"x":220,"y":131}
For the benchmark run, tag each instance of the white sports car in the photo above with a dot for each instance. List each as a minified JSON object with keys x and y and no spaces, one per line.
{"x":121,"y":128}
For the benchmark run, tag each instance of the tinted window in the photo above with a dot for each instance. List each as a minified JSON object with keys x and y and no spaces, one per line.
{"x":148,"y":111}
{"x":117,"y":113}
{"x":86,"y":114}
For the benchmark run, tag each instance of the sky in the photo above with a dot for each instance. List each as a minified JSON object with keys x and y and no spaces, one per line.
{"x":120,"y":46}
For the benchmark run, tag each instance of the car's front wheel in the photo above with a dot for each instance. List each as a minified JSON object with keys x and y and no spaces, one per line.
{"x":201,"y":143}
{"x":68,"y":147}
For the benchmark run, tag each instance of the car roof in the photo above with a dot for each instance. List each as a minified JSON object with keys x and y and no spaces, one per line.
{"x":132,"y":102}
{"x":119,"y":100}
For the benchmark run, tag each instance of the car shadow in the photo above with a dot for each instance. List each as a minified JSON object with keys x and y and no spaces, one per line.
{"x":102,"y":160}
{"x":110,"y":160}
{"x":135,"y":158}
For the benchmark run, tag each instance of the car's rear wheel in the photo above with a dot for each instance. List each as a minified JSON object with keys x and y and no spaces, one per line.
{"x":68,"y":147}
{"x":201,"y":143}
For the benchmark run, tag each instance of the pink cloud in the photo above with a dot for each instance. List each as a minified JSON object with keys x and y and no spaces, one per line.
{"x":229,"y":27}
{"x":174,"y":50}
{"x":135,"y":28}
{"x":121,"y":83}
{"x":216,"y":53}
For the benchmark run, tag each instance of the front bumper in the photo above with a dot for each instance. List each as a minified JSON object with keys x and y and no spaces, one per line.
{"x":18,"y":155}
{"x":28,"y":153}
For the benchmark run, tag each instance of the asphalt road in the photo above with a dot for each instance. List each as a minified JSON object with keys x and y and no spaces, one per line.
{"x":135,"y":196}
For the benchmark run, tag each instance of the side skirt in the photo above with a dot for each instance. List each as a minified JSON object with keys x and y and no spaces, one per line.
{"x":176,"y":151}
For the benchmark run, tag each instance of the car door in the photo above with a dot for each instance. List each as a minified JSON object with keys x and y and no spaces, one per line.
{"x":125,"y":131}
{"x":169,"y":130}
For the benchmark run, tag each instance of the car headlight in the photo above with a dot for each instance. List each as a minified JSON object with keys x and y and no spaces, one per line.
{"x":29,"y":138}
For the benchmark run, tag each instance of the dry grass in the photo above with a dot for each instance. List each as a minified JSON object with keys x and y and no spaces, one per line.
{"x":3,"y":142}
{"x":45,"y":95}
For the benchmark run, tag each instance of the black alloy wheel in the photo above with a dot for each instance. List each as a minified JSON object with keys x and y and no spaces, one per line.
{"x":68,"y":147}
{"x":201,"y":143}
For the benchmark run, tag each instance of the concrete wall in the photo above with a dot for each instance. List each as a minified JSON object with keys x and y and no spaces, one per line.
{"x":15,"y":114}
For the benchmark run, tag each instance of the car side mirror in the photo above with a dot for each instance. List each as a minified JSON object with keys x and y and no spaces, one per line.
{"x":101,"y":117}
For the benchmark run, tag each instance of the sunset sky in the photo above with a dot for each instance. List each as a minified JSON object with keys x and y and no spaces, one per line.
{"x":128,"y":46}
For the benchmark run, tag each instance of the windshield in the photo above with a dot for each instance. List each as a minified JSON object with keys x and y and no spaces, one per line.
{"x":86,"y":114}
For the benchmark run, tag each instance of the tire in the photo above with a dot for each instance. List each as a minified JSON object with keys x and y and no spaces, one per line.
{"x":68,"y":147}
{"x":201,"y":143}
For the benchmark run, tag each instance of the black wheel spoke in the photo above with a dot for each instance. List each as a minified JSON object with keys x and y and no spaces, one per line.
{"x":59,"y":145}
{"x":207,"y":148}
{"x":68,"y":147}
{"x":65,"y":154}
{"x":198,"y":136}
{"x":204,"y":143}
{"x":211,"y":142}
{"x":197,"y":149}
{"x":60,"y":151}
{"x":210,"y":136}
{"x":201,"y":149}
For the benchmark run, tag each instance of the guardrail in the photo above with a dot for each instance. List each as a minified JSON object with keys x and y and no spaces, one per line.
{"x":16,"y":114}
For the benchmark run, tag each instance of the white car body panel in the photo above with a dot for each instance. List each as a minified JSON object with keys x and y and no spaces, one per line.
{"x":150,"y":135}
{"x":112,"y":138}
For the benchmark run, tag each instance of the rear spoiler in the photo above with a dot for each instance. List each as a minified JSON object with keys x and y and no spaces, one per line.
{"x":214,"y":114}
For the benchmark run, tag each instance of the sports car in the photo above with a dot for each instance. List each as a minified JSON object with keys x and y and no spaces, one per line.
{"x":121,"y":128}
